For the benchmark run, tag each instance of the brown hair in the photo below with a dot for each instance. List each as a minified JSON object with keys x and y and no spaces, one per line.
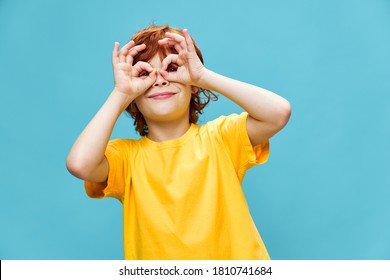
{"x":150,"y":37}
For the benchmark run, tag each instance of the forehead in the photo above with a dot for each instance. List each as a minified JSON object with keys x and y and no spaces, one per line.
{"x":156,"y":59}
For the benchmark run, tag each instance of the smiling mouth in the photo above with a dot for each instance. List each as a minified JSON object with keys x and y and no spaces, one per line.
{"x":161,"y":95}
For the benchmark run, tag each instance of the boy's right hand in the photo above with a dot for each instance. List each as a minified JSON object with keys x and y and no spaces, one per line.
{"x":129,"y":79}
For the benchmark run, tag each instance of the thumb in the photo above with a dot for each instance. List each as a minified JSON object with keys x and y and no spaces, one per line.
{"x":169,"y":76}
{"x":152,"y":77}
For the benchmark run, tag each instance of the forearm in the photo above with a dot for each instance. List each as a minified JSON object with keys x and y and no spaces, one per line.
{"x":87,"y":153}
{"x":261,"y":104}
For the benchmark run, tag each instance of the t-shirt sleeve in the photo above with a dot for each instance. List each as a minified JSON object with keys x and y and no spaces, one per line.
{"x":118,"y":176}
{"x":234,"y":133}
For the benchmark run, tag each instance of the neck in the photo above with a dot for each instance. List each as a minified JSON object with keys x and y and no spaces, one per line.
{"x":164,"y":131}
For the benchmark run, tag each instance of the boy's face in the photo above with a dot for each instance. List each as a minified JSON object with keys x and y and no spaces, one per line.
{"x":164,"y":101}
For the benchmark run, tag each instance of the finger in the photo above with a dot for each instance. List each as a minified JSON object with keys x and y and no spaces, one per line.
{"x":188,"y":40}
{"x":168,"y":60}
{"x":146,"y":82}
{"x":124,"y":51}
{"x":168,"y":76}
{"x":133,"y":52}
{"x":176,"y":37}
{"x":141,"y":68}
{"x":122,"y":54}
{"x":136,"y":49}
{"x":128,"y":46}
{"x":149,"y":80}
{"x":115,"y":53}
{"x":128,"y":52}
{"x":167,"y":41}
{"x":171,"y":43}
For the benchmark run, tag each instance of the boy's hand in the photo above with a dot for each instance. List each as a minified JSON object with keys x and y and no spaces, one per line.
{"x":184,"y":67}
{"x":129,"y":79}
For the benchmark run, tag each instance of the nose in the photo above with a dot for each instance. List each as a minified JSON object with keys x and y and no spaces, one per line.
{"x":160,"y":81}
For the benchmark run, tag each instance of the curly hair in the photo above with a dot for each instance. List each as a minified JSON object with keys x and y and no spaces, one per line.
{"x":150,"y":37}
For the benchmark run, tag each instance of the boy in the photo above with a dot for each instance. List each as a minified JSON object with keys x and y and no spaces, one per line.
{"x":180,"y":184}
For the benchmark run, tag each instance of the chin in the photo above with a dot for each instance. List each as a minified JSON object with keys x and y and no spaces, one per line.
{"x":166,"y":115}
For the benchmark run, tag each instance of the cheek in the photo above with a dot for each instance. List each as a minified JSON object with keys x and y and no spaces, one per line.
{"x":140,"y":104}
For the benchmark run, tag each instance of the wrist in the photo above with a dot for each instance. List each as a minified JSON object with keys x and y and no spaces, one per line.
{"x":122,"y":99}
{"x":204,"y":79}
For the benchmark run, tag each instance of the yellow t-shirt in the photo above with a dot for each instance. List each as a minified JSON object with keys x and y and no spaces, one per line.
{"x":182,"y":198}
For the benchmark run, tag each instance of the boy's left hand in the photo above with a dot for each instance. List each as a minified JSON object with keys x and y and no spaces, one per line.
{"x":184,"y":67}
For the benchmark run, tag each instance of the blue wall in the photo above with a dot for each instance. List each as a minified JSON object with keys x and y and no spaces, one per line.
{"x":324,"y":194}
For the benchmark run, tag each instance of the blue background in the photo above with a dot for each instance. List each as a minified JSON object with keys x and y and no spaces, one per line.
{"x":325,"y":191}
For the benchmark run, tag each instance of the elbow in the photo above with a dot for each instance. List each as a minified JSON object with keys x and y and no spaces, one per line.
{"x":85,"y":169}
{"x":284,"y":114}
{"x":76,"y":167}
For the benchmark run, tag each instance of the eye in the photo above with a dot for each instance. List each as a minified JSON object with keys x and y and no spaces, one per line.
{"x":172,"y":68}
{"x":144,"y":74}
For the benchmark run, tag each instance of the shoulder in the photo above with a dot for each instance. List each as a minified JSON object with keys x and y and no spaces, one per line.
{"x":122,"y":145}
{"x":122,"y":142}
{"x":223,"y":124}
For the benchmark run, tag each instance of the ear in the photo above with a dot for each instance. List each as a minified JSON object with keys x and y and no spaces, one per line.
{"x":194,"y":89}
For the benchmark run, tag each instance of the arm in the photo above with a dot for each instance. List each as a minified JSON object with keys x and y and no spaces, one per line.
{"x":86,"y":159}
{"x":268,"y":112}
